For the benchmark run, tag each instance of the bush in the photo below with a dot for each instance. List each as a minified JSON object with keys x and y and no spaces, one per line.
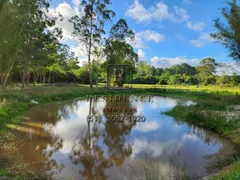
{"x":145,"y":80}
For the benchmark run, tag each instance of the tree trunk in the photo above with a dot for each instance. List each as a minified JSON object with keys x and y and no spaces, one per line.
{"x":8,"y":73}
{"x":44,"y":78}
{"x":40,"y":79}
{"x":27,"y":78}
{"x":49,"y":77}
{"x":90,"y":71}
{"x":24,"y":73}
{"x":1,"y":79}
{"x":89,"y":126}
{"x":89,"y":58}
{"x":35,"y":79}
{"x":53,"y":80}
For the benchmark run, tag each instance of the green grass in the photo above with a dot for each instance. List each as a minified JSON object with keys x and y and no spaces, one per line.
{"x":2,"y":173}
{"x":223,"y":90}
{"x":209,"y":119}
{"x":231,"y":174}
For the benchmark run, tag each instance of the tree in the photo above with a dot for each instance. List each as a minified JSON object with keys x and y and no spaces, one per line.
{"x":235,"y":79}
{"x":175,"y":79}
{"x":88,"y":29}
{"x":120,"y":31}
{"x":9,"y":39}
{"x":206,"y":68}
{"x":184,"y":68}
{"x":143,"y":69}
{"x":229,"y":34}
{"x":33,"y":15}
{"x":118,"y":51}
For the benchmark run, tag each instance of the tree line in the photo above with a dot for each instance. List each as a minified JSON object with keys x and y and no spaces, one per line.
{"x":31,"y":50}
{"x":184,"y":74}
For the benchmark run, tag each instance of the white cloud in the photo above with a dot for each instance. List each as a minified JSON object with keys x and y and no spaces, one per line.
{"x":207,"y":37}
{"x":228,"y":68}
{"x":161,"y":12}
{"x":148,"y":35}
{"x":202,"y":40}
{"x":141,"y":55}
{"x":148,"y":126}
{"x":182,"y":14}
{"x":184,"y":17}
{"x":66,"y":11}
{"x":152,"y":36}
{"x":154,"y":148}
{"x":190,"y":137}
{"x":139,"y":13}
{"x":197,"y":43}
{"x":196,"y":26}
{"x":143,"y":145}
{"x":78,"y":51}
{"x":187,"y":1}
{"x":76,"y":3}
{"x":169,"y":62}
{"x":73,"y":129}
{"x":138,"y":42}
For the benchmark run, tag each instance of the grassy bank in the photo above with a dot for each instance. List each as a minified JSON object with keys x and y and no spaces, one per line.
{"x":223,"y":90}
{"x":232,"y":173}
{"x":220,"y":114}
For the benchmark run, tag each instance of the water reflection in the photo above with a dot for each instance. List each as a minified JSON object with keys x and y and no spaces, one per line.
{"x":57,"y":141}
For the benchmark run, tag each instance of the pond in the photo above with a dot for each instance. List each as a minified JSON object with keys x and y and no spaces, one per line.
{"x":58,"y":141}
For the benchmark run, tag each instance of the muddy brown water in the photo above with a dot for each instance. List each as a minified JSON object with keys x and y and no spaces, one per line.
{"x":57,"y":141}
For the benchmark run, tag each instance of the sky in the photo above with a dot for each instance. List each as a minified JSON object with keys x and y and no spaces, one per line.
{"x":167,"y":32}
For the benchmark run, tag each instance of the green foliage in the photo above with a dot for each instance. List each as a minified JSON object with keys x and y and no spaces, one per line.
{"x":210,"y":80}
{"x":145,"y":80}
{"x":229,"y":34}
{"x":89,"y":28}
{"x":223,"y":80}
{"x":120,"y":31}
{"x":175,"y":79}
{"x":117,"y":50}
{"x":206,"y":68}
{"x":204,"y":114}
{"x":2,"y":173}
{"x":143,"y":69}
{"x":184,"y":68}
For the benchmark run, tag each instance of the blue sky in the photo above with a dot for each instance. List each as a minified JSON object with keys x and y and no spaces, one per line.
{"x":168,"y":32}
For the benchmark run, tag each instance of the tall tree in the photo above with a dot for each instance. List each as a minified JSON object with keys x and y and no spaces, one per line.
{"x":206,"y":68}
{"x":9,"y":39}
{"x":88,"y":28}
{"x":229,"y":34}
{"x":117,"y":49}
{"x":143,"y":69}
{"x":120,"y":31}
{"x":35,"y":21}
